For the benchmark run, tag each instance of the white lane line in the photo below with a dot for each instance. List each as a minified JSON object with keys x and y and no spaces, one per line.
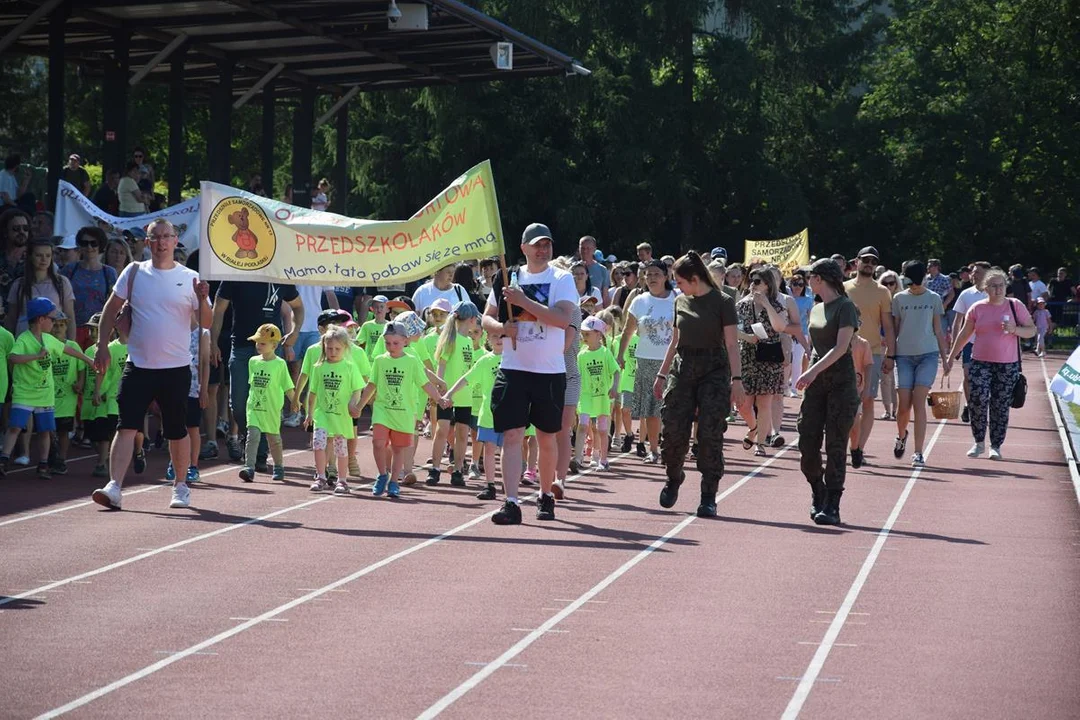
{"x":504,"y":660}
{"x":1070,"y":459}
{"x":128,"y":493}
{"x":806,"y":683}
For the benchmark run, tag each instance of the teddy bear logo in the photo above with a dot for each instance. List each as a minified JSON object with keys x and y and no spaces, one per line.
{"x":245,"y":239}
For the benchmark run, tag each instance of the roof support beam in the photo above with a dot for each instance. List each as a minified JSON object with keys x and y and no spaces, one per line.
{"x":342,"y":102}
{"x":30,"y":21}
{"x":157,"y":59}
{"x":259,"y":85}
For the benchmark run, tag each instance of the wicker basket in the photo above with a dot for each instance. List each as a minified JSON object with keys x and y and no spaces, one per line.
{"x":945,"y":404}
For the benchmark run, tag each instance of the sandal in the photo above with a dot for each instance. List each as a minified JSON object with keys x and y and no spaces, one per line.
{"x":747,"y":443}
{"x":759,"y":451}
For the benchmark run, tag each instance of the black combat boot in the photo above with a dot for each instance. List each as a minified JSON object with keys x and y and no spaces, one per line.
{"x":670,"y":493}
{"x":707,"y":508}
{"x":830,"y":512}
{"x":817,"y":491}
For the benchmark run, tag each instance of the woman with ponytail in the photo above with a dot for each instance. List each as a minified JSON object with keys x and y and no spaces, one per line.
{"x":831,"y":397}
{"x":698,"y":378}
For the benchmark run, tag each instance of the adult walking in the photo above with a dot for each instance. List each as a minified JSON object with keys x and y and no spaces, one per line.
{"x":996,"y":324}
{"x":533,"y":314}
{"x":91,"y":281}
{"x":440,"y":286}
{"x":652,"y":316}
{"x":39,"y":279}
{"x":165,"y":298}
{"x":599,"y":277}
{"x":830,"y":394}
{"x":874,"y":302}
{"x":964,"y":301}
{"x":920,"y":340}
{"x":762,"y":316}
{"x":698,"y":378}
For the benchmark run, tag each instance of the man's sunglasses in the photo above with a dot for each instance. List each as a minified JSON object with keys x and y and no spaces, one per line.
{"x":87,"y":243}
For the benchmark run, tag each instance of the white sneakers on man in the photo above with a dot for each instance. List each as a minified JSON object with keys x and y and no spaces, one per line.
{"x":109,"y":496}
{"x":181,"y":496}
{"x":976,"y":450}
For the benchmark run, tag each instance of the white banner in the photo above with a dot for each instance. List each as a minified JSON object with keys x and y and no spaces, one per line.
{"x":1066,"y":384}
{"x":74,"y":210}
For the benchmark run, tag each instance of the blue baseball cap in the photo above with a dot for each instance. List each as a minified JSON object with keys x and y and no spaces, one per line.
{"x":465,"y":310}
{"x":38,"y":307}
{"x":718,"y":252}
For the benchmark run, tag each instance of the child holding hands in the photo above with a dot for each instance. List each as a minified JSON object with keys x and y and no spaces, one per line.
{"x":599,"y":386}
{"x":333,"y":401}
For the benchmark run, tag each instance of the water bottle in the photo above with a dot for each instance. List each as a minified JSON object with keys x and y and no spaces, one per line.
{"x":1004,"y":321}
{"x":513,"y":279}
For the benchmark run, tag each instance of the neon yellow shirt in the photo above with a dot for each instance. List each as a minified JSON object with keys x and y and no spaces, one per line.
{"x":481,"y":378}
{"x":598,"y":369}
{"x":65,"y":374}
{"x":268,"y":381}
{"x":32,"y":382}
{"x":7,"y":341}
{"x":396,"y":381}
{"x":333,"y":385}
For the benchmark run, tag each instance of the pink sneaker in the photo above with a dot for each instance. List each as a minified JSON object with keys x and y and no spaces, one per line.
{"x":529,"y":477}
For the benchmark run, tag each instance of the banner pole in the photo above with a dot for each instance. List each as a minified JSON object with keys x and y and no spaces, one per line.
{"x":506,"y":284}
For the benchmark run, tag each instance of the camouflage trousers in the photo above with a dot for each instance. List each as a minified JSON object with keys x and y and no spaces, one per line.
{"x":828,"y":412}
{"x":698,"y":388}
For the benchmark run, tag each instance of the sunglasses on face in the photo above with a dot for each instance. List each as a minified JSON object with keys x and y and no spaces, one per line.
{"x":756,"y":281}
{"x":797,"y":283}
{"x":889,"y":283}
{"x":20,"y":228}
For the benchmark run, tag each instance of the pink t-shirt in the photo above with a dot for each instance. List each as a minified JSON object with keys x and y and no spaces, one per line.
{"x":992,"y":344}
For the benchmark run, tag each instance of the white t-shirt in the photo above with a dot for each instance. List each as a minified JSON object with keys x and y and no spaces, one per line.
{"x":427,"y":294}
{"x":965,"y":300}
{"x":1038,"y":287}
{"x":319,"y":202}
{"x":164,"y":301}
{"x":311,"y":296}
{"x":539,"y":346}
{"x":656,"y":321}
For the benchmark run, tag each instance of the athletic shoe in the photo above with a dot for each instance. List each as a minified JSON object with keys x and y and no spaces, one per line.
{"x":558,"y":489}
{"x":236,"y":453}
{"x":641,"y":450}
{"x":694,"y":450}
{"x":354,"y":467}
{"x":159,"y":441}
{"x":331,"y":472}
{"x":170,"y":473}
{"x":976,"y":450}
{"x":247,"y":474}
{"x":457,"y":479}
{"x":209,"y":451}
{"x":100,"y":471}
{"x":140,"y":463}
{"x":529,"y":478}
{"x":545,"y":507}
{"x":603,"y":466}
{"x":575,"y":469}
{"x":222,"y":428}
{"x":775,"y":440}
{"x":627,"y":443}
{"x":474,"y":472}
{"x":43,"y":471}
{"x":965,"y":415}
{"x":394,"y":491}
{"x":995,"y":453}
{"x":856,"y":457}
{"x":261,"y":465}
{"x":652,"y":458}
{"x":192,"y":475}
{"x":181,"y":496}
{"x":488,"y":493}
{"x":279,"y":474}
{"x":380,"y":485}
{"x":23,"y":460}
{"x":917,"y":460}
{"x":341,"y":487}
{"x":58,"y":467}
{"x":899,"y":445}
{"x":509,"y":514}
{"x":293,"y":420}
{"x":109,"y":496}
{"x":432,"y":477}
{"x":320,"y":485}
{"x":409,"y":479}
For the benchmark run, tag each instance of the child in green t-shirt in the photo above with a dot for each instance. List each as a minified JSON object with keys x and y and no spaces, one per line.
{"x":454,"y":356}
{"x":613,"y":318}
{"x":33,"y":392}
{"x":395,"y":376}
{"x":481,"y":378}
{"x":270,"y":383}
{"x":414,"y":329}
{"x":372,"y":330}
{"x":67,"y":385}
{"x":599,"y":386}
{"x":626,"y":390}
{"x":332,"y":402}
{"x":7,"y":341}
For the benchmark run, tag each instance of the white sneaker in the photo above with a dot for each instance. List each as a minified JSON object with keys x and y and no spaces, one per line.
{"x":109,"y":496}
{"x":293,"y":420}
{"x":976,"y":450}
{"x":181,"y":496}
{"x":22,"y":460}
{"x":652,"y":458}
{"x":995,"y":453}
{"x":917,"y":460}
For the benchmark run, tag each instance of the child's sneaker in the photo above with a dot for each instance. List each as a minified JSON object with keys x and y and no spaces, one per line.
{"x":170,"y":472}
{"x":181,"y":496}
{"x":474,"y":472}
{"x":354,"y":467}
{"x":380,"y":485}
{"x":342,"y":487}
{"x":457,"y":479}
{"x":279,"y":473}
{"x":247,"y":474}
{"x":509,"y":514}
{"x":488,"y":493}
{"x":394,"y":491}
{"x":43,"y":471}
{"x":603,"y":466}
{"x":23,"y":460}
{"x":558,"y":489}
{"x":209,"y":451}
{"x":192,"y":475}
{"x":433,"y":477}
{"x":320,"y":485}
{"x":409,"y":479}
{"x":100,"y":471}
{"x":529,"y":477}
{"x":140,"y":463}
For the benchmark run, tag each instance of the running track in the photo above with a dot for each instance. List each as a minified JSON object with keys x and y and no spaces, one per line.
{"x":950,"y":593}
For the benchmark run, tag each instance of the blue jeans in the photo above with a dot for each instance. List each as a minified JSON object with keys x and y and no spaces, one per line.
{"x":238,"y":391}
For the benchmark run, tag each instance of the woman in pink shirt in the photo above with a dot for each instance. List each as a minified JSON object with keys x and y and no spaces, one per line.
{"x":996,"y":322}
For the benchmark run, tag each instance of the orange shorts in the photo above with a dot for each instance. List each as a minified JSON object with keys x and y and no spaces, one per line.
{"x":383,"y":435}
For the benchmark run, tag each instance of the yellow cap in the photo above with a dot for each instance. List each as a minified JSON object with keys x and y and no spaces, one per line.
{"x":267,"y":333}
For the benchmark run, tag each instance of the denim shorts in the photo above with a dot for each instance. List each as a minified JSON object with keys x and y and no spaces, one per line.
{"x":916,"y":371}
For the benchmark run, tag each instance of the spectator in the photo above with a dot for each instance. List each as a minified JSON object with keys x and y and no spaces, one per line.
{"x":67,"y":251}
{"x":145,"y":179}
{"x":14,"y":235}
{"x":321,"y":199}
{"x":255,"y":185}
{"x":39,"y":280}
{"x":1060,"y":290}
{"x":118,"y":255}
{"x":287,"y":194}
{"x":136,"y":240}
{"x":12,"y":187}
{"x":106,"y":198}
{"x":1019,"y":287}
{"x":132,"y":200}
{"x":75,"y":174}
{"x":1038,"y":287}
{"x":41,"y":225}
{"x":90,"y":281}
{"x":598,"y":274}
{"x":644,"y":253}
{"x":441,"y":285}
{"x":629,"y":284}
{"x":489,"y":267}
{"x":583,"y":282}
{"x":466,"y":278}
{"x":937,"y":282}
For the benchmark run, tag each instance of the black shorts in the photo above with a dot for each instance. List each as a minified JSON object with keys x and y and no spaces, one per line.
{"x":65,"y":424}
{"x":193,"y":418}
{"x":521,"y":398}
{"x":100,"y":429}
{"x":168,"y":387}
{"x":454,"y":414}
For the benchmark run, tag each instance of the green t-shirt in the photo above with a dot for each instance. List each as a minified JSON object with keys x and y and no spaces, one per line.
{"x":598,"y":369}
{"x":333,"y":385}
{"x":481,"y":379}
{"x":629,"y":371}
{"x":369,"y":335}
{"x":826,"y":319}
{"x":701,"y":320}
{"x":268,"y":381}
{"x":118,"y":353}
{"x":430,"y":342}
{"x":360,"y":360}
{"x":32,"y":382}
{"x":89,"y":411}
{"x":458,"y":361}
{"x":7,"y":341}
{"x":396,"y":381}
{"x":65,"y":374}
{"x":310,"y":356}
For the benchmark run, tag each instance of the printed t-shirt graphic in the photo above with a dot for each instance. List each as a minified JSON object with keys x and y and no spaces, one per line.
{"x":118,"y":352}
{"x":396,"y":381}
{"x":65,"y":374}
{"x":90,"y":411}
{"x":597,"y":368}
{"x":458,"y":361}
{"x":539,"y":347}
{"x":369,"y":335}
{"x":481,"y":377}
{"x":32,"y":382}
{"x":269,"y":380}
{"x":333,"y":385}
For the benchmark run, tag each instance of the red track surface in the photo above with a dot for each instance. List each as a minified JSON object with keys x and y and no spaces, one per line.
{"x":367,"y":607}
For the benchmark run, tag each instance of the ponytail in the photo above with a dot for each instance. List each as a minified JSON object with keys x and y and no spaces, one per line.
{"x":447,"y":338}
{"x":690,"y":266}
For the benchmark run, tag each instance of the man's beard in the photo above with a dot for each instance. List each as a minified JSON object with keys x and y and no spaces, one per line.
{"x":866,"y":270}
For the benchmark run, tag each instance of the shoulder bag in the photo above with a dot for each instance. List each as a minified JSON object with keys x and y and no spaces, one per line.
{"x":123,"y":318}
{"x":1019,"y":393}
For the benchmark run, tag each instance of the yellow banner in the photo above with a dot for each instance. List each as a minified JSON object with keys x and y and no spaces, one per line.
{"x":787,"y":253}
{"x":252,"y":238}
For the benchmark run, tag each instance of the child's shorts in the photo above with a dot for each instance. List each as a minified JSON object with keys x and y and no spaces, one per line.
{"x":455,"y":414}
{"x":320,"y":440}
{"x":193,"y":417}
{"x":100,"y":429}
{"x":44,"y":420}
{"x":627,"y":398}
{"x":65,"y":424}
{"x":488,"y":435}
{"x":382,"y":435}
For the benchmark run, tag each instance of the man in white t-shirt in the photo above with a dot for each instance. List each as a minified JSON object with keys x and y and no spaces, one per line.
{"x":165,"y":297}
{"x":1038,"y":287}
{"x":963,"y":303}
{"x":531,"y":384}
{"x":441,"y":285}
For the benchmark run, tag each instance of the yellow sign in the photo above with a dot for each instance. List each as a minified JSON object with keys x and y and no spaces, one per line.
{"x":251,"y":238}
{"x":787,"y":253}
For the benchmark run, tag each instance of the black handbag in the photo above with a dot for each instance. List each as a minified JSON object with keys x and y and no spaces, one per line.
{"x":1019,"y":393}
{"x":771,"y":352}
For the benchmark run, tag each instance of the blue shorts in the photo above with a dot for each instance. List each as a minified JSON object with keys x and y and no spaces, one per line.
{"x":44,"y":419}
{"x":965,"y":356}
{"x":488,"y":435}
{"x":305,"y":340}
{"x":916,"y":371}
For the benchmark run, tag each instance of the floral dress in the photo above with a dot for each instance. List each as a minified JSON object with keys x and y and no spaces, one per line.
{"x":758,"y":377}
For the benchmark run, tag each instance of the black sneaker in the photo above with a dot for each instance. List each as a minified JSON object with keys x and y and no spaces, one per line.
{"x":627,"y":443}
{"x":247,"y":474}
{"x":58,"y":466}
{"x":641,"y":450}
{"x":488,"y":493}
{"x":510,"y":514}
{"x":457,"y":479}
{"x":898,"y":447}
{"x":140,"y":463}
{"x":432,"y":477}
{"x":545,"y":507}
{"x":965,"y":415}
{"x":43,"y":471}
{"x":236,"y":453}
{"x":261,"y":466}
{"x":856,"y":457}
{"x":575,"y":469}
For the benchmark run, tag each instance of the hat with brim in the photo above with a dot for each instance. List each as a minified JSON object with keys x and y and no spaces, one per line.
{"x":380,"y":298}
{"x":39,"y":307}
{"x":412,"y":323}
{"x":869,"y":250}
{"x":331,"y":316}
{"x":397,"y":305}
{"x":594,"y":324}
{"x":441,"y":304}
{"x":536,"y":232}
{"x":267,"y":333}
{"x":94,"y":320}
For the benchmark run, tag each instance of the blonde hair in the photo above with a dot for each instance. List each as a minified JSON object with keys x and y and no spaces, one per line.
{"x":993,"y":273}
{"x":448,"y":336}
{"x":159,"y":221}
{"x":613,"y":318}
{"x":333,"y":332}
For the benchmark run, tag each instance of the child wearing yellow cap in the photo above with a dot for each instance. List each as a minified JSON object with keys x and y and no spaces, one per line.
{"x":270,"y":383}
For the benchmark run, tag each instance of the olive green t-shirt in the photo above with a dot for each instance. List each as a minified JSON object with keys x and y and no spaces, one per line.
{"x":826,"y":319}
{"x":701,"y":320}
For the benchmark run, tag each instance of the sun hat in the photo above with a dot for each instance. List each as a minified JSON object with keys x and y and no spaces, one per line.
{"x":267,"y":333}
{"x":594,"y":323}
{"x":441,"y":304}
{"x":412,"y":323}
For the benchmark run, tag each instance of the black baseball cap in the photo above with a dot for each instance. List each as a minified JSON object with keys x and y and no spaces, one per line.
{"x":869,"y":250}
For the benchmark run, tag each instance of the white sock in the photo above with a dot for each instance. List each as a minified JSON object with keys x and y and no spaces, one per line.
{"x":513,"y":499}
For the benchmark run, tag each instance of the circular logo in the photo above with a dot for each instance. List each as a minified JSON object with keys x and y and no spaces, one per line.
{"x":241,"y":235}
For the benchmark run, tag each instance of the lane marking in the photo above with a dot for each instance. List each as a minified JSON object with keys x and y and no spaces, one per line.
{"x":503,"y":660}
{"x":1066,"y":445}
{"x":128,"y":493}
{"x":806,"y":683}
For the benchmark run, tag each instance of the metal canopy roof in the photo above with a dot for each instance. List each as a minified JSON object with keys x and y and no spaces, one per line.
{"x":334,"y":45}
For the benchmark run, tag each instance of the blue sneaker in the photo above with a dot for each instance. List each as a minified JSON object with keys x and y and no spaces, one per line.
{"x":394,"y":491}
{"x":192,"y":474}
{"x":170,"y":473}
{"x":380,"y":485}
